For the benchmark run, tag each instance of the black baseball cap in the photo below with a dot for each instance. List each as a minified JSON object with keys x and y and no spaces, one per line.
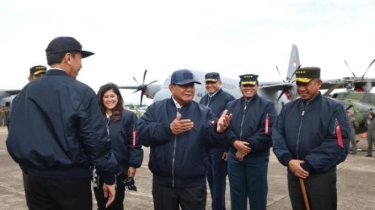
{"x":66,"y":44}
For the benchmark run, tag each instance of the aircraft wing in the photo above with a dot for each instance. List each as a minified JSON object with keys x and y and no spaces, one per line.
{"x":276,"y":87}
{"x":12,"y":92}
{"x":6,"y":93}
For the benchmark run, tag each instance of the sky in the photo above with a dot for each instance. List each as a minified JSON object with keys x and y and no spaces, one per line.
{"x":230,"y":37}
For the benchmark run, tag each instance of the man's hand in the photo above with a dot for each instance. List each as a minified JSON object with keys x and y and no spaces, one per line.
{"x":242,"y":146}
{"x":240,"y":156}
{"x":223,"y":122}
{"x":131,"y":172}
{"x":297,"y":170}
{"x":179,"y":126}
{"x":109,"y":190}
{"x":225,"y":156}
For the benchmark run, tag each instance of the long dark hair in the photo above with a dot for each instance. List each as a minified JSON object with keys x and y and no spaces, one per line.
{"x":116,"y":112}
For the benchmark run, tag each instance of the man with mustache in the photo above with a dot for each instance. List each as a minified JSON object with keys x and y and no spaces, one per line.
{"x":310,"y":137}
{"x":179,"y":130}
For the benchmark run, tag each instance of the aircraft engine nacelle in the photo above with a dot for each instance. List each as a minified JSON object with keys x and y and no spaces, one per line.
{"x":3,"y":94}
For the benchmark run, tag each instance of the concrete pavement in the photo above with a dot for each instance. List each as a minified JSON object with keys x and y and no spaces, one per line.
{"x":356,"y":186}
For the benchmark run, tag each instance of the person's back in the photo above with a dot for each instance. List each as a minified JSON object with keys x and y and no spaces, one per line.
{"x":53,"y":106}
{"x":57,"y":134}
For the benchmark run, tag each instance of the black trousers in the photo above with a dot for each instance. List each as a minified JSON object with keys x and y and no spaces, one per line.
{"x":24,"y":178}
{"x":118,"y":203}
{"x":166,"y":198}
{"x":320,"y":188}
{"x":59,"y":194}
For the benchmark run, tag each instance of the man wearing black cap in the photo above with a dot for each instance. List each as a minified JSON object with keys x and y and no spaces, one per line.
{"x":216,"y":99}
{"x":310,"y":137}
{"x":248,"y":155}
{"x":62,"y":134}
{"x":178,"y":131}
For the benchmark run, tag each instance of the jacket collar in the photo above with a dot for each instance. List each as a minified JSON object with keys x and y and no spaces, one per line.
{"x":57,"y":72}
{"x":318,"y":97}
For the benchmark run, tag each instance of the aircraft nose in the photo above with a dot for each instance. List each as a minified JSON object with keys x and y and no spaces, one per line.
{"x":162,"y":94}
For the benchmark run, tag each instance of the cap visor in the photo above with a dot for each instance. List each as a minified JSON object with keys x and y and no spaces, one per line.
{"x":39,"y":72}
{"x":303,"y":80}
{"x":211,"y":80}
{"x":86,"y":54}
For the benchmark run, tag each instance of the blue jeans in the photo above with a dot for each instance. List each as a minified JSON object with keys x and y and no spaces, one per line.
{"x":248,"y":179}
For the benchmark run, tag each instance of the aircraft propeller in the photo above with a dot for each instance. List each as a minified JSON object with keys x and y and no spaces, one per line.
{"x":356,"y":82}
{"x":286,"y":89}
{"x":141,"y":87}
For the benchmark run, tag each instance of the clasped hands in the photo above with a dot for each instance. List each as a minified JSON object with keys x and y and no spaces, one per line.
{"x":179,"y":125}
{"x":242,"y":148}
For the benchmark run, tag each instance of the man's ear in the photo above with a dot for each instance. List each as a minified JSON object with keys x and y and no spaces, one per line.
{"x":30,"y":78}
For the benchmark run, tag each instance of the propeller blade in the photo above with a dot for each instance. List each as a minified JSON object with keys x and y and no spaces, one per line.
{"x":128,"y":87}
{"x":141,"y":100}
{"x":281,"y":94}
{"x":347,"y":108}
{"x":136,"y":91}
{"x":332,"y":88}
{"x":368,"y":67}
{"x":135,"y":80}
{"x":144,"y":77}
{"x":294,"y":73}
{"x":349,"y":68}
{"x":277,"y":68}
{"x":151,"y":82}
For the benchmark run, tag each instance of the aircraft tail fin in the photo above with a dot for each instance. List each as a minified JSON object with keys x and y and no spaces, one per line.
{"x":294,"y":63}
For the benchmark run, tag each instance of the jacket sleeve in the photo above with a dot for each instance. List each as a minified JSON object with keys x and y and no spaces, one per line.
{"x":215,"y":138}
{"x":330,"y":153}
{"x":150,"y":132}
{"x":232,"y":137}
{"x":261,"y":140}
{"x":93,"y":135}
{"x":134,"y":148}
{"x":280,"y":148}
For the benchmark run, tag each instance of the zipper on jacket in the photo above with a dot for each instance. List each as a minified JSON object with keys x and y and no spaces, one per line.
{"x":300,"y":125}
{"x":174,"y":152}
{"x":243,"y":118}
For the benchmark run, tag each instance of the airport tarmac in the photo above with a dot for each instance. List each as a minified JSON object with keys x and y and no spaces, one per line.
{"x":355,"y":184}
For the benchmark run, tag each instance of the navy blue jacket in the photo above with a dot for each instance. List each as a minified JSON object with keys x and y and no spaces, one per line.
{"x":181,"y":160}
{"x":217,"y":103}
{"x":249,"y":124}
{"x":121,"y":135}
{"x":57,"y":130}
{"x":307,"y":131}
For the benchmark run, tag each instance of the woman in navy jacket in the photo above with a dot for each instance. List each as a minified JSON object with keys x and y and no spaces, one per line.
{"x":121,"y":131}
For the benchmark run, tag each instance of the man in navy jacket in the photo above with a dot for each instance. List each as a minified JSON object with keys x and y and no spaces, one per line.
{"x":179,"y":130}
{"x":217,"y":99}
{"x":310,"y":137}
{"x":57,"y":133}
{"x":251,"y":140}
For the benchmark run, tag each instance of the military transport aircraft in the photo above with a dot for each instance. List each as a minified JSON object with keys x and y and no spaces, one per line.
{"x":6,"y":96}
{"x":278,"y":91}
